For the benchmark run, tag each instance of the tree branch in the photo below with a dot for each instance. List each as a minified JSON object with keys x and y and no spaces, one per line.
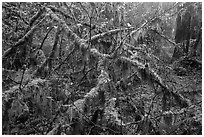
{"x":111,"y":32}
{"x":164,"y":37}
{"x":48,"y":61}
{"x":70,"y":34}
{"x":36,"y":16}
{"x":21,"y":42}
{"x":45,"y":37}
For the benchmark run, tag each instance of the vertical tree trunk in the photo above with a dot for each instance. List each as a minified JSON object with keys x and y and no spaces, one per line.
{"x":185,"y":23}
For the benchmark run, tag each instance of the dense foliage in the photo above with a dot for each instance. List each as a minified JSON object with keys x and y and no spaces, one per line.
{"x":101,"y":68}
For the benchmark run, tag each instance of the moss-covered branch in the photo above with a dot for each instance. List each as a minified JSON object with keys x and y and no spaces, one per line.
{"x":70,"y":34}
{"x":42,"y":70}
{"x":25,"y":38}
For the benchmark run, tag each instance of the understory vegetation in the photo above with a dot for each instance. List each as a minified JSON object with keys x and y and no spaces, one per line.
{"x":101,"y":68}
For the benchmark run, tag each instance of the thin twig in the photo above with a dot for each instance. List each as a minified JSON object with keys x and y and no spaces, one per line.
{"x":45,"y":37}
{"x":11,"y":79}
{"x":64,"y":60}
{"x":24,"y":69}
{"x":163,"y":36}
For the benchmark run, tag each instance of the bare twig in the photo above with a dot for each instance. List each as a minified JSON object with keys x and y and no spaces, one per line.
{"x":163,"y":36}
{"x":56,"y":68}
{"x":11,"y":79}
{"x":45,"y":37}
{"x":36,"y":16}
{"x":86,"y":74}
{"x":48,"y":61}
{"x":24,"y":69}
